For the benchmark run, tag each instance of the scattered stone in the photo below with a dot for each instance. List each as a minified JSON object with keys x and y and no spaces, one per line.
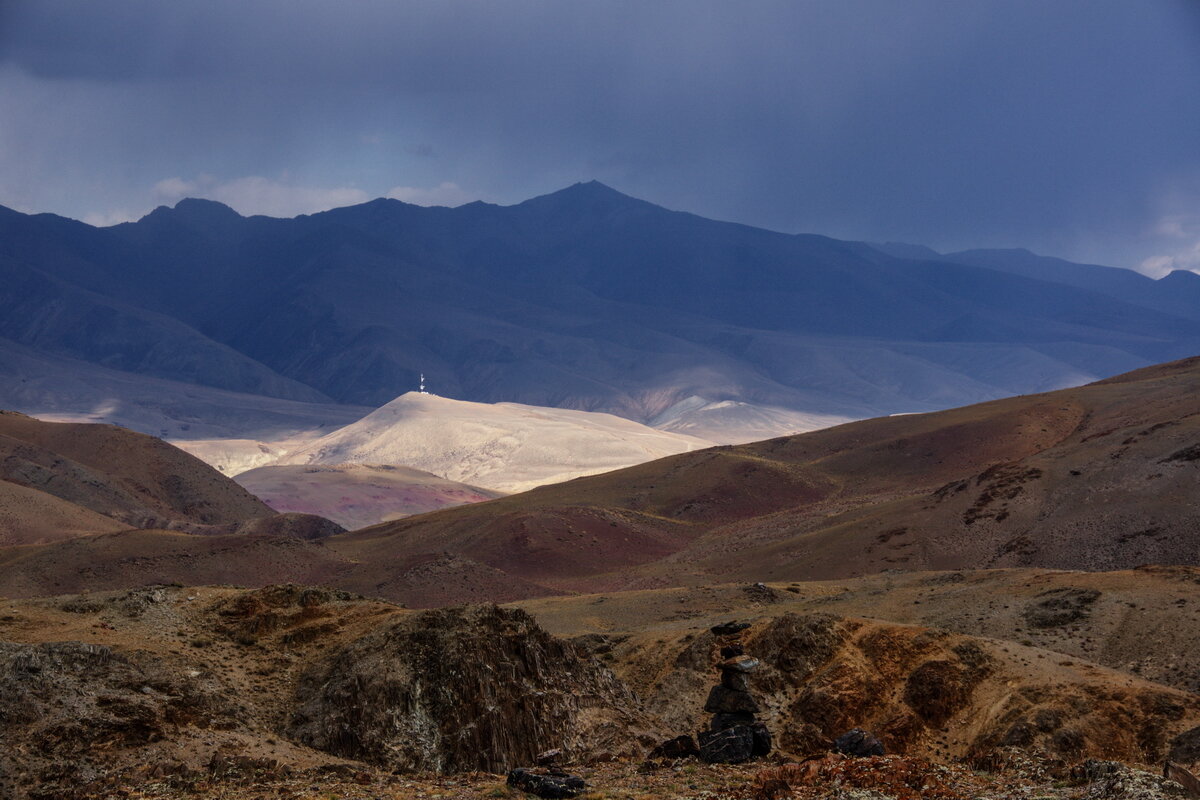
{"x":858,"y":742}
{"x":550,"y":786}
{"x":679,"y":747}
{"x":729,"y":628}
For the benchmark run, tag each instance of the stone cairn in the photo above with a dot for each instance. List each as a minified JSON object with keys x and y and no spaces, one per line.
{"x":735,"y":733}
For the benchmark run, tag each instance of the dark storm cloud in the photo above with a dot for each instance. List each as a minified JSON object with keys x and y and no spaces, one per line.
{"x":1068,"y":126}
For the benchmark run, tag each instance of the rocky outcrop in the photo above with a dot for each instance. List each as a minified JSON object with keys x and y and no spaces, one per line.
{"x":919,"y":691}
{"x":472,"y":688}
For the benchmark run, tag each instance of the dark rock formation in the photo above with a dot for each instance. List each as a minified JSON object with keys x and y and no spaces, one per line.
{"x":551,"y":786}
{"x":735,"y":734}
{"x":729,"y":746}
{"x":858,"y":742}
{"x":474,"y":688}
{"x":735,"y":744}
{"x":723,"y":721}
{"x":730,"y":701}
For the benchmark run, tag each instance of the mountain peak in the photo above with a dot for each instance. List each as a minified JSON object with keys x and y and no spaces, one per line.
{"x":200,"y":208}
{"x":590,"y":194}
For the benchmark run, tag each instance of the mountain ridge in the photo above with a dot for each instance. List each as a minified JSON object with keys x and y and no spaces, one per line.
{"x":583,"y":298}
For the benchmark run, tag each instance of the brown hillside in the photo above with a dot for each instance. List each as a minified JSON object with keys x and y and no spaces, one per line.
{"x":127,"y":476}
{"x":29,"y":516}
{"x":135,"y":558}
{"x":1097,"y":477}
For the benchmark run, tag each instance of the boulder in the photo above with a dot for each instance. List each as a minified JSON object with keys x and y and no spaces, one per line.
{"x":729,"y":746}
{"x":858,"y":742}
{"x":732,"y":651}
{"x":729,"y":628}
{"x":724,"y":720}
{"x":551,"y":786}
{"x":735,"y":681}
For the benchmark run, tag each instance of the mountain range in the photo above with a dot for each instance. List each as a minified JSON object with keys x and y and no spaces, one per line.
{"x":585,"y":298}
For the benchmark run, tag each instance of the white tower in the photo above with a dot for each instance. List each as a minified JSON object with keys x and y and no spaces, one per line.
{"x":423,"y":384}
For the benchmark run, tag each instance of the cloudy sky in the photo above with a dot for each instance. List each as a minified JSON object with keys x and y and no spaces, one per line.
{"x":1070,"y":127}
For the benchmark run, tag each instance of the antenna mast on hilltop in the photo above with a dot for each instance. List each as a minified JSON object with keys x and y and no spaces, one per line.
{"x":423,"y":384}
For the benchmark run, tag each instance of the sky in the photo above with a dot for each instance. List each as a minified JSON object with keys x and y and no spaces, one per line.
{"x":1071,"y":128}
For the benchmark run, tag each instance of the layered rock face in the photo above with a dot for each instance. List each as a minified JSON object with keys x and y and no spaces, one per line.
{"x":474,"y":688}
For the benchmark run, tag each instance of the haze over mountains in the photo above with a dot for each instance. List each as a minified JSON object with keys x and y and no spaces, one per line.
{"x":584,"y":299}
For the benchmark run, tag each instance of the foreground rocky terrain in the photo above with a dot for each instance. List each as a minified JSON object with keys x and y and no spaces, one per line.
{"x":290,"y":691}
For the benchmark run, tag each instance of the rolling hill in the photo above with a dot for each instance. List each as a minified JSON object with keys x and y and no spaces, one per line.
{"x":61,"y":481}
{"x":1099,"y":477}
{"x":357,"y":495}
{"x":504,"y":447}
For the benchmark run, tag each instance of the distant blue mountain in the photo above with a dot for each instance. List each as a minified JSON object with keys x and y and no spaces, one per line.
{"x":584,"y":298}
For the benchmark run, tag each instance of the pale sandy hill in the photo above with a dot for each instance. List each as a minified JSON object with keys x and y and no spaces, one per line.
{"x":235,"y":456}
{"x":506,"y":447}
{"x":735,"y":422}
{"x":357,"y":495}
